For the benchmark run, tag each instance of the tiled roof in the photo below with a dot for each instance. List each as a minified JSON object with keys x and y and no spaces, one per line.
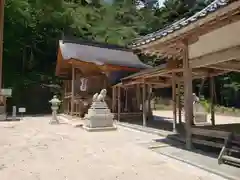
{"x":214,"y":6}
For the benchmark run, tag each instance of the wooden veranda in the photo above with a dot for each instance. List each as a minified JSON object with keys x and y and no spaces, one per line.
{"x":138,"y":103}
{"x":204,"y":45}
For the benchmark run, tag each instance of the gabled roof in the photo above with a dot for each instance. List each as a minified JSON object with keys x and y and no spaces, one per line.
{"x":100,"y":54}
{"x":214,"y":6}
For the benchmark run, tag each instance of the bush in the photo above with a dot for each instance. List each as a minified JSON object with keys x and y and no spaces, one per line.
{"x":205,"y":104}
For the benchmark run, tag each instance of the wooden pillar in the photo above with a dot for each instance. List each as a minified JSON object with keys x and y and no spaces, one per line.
{"x":64,"y":96}
{"x":188,"y":99}
{"x":72,"y":94}
{"x":2,"y":3}
{"x":105,"y":82}
{"x":67,"y":106}
{"x":144,"y":105}
{"x":138,"y":94}
{"x":119,"y":102}
{"x":126,"y":99}
{"x":174,"y":101}
{"x":179,"y":104}
{"x":113,"y":98}
{"x":212,"y":93}
{"x":149,"y":109}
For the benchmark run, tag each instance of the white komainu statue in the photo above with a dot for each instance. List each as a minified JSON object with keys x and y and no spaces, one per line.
{"x":195,"y":98}
{"x":100,"y":97}
{"x":94,"y":99}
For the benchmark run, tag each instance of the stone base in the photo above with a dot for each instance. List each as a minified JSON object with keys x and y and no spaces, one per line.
{"x":99,"y":122}
{"x":3,"y":117}
{"x":200,"y":118}
{"x":97,"y":129}
{"x":54,"y":122}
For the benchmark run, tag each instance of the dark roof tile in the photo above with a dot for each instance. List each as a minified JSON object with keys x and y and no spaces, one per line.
{"x":215,"y":5}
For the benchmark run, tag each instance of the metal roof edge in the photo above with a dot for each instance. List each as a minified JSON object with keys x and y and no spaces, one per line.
{"x":75,"y":40}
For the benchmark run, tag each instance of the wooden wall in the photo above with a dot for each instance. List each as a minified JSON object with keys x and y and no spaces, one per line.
{"x":94,"y":85}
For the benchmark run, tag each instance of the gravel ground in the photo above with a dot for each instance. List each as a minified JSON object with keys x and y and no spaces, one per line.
{"x":32,"y":149}
{"x":219,"y":119}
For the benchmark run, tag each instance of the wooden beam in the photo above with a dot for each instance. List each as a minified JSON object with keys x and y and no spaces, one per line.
{"x":179,"y":104}
{"x":113,"y":98}
{"x":130,"y":83}
{"x":119,"y":102}
{"x":174,"y":102}
{"x":188,"y":102}
{"x":216,"y":57}
{"x":72,"y":95}
{"x":212,"y":93}
{"x":144,"y":81}
{"x":126,"y":100}
{"x":2,"y":3}
{"x":138,"y":95}
{"x":64,"y":99}
{"x":210,"y":133}
{"x":149,"y":97}
{"x":227,"y":66}
{"x":164,"y":73}
{"x":144,"y":105}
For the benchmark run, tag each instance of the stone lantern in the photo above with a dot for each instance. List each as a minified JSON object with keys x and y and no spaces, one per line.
{"x":55,"y":106}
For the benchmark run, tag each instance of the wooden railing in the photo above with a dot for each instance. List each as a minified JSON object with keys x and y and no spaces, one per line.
{"x":230,"y":153}
{"x":212,"y":138}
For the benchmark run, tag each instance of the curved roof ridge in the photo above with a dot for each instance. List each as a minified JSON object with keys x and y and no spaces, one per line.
{"x":75,"y":40}
{"x":212,"y":7}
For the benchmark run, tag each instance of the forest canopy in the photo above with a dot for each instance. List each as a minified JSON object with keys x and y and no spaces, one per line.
{"x":32,"y":29}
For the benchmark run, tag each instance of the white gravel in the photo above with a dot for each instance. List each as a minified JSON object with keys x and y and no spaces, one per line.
{"x":32,"y":149}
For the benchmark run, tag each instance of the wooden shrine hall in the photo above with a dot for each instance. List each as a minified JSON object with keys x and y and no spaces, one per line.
{"x":204,"y":45}
{"x":87,"y":67}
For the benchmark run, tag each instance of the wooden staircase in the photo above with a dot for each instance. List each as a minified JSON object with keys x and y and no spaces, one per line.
{"x":230,"y":153}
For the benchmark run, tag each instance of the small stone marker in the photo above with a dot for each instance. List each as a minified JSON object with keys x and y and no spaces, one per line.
{"x":22,"y":110}
{"x":14,"y":113}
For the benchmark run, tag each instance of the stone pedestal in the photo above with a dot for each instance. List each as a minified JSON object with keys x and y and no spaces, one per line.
{"x":199,"y":113}
{"x":3,"y":115}
{"x":99,"y":117}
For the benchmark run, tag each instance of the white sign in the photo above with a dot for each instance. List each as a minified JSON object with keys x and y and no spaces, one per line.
{"x":83,"y":86}
{"x":6,"y":92}
{"x":22,"y":110}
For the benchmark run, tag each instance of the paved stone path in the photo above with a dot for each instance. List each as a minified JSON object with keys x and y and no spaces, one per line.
{"x":34,"y":150}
